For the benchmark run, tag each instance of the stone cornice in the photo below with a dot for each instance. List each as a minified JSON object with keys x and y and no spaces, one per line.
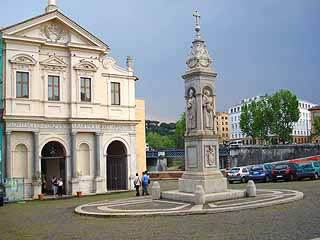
{"x":199,"y":72}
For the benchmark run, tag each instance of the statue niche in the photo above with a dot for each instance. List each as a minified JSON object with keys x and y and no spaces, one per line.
{"x":208,"y":109}
{"x":191,"y":110}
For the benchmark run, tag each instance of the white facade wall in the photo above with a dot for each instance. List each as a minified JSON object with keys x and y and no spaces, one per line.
{"x":301,"y":128}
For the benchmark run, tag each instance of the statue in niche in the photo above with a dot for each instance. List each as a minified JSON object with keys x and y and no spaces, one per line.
{"x":208,"y":110}
{"x":191,"y":110}
{"x":210,"y":155}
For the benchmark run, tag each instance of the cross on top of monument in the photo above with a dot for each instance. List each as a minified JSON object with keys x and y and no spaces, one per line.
{"x":196,"y":14}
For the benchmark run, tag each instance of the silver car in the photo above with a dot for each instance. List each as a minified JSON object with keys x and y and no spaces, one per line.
{"x":238,"y":174}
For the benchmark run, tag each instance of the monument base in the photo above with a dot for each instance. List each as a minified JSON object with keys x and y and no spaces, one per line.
{"x":209,"y":197}
{"x":212,"y":182}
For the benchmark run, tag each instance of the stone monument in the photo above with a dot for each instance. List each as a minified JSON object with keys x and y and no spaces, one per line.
{"x":201,"y":140}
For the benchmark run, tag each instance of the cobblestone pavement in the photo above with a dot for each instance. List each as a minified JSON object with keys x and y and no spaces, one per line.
{"x":56,"y":220}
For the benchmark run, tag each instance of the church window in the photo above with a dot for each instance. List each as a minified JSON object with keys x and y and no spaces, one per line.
{"x":85,"y":89}
{"x":22,"y":85}
{"x":115,"y":93}
{"x":53,"y":88}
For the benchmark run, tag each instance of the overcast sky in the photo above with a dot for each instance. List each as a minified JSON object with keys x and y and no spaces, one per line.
{"x":257,"y":47}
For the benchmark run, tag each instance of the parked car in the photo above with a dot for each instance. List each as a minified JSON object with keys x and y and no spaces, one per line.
{"x":238,"y":174}
{"x":309,"y":170}
{"x":261,"y":173}
{"x":284,"y":171}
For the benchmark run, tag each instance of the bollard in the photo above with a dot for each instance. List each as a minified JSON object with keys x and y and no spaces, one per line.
{"x":199,"y":198}
{"x":251,"y":189}
{"x":155,"y":191}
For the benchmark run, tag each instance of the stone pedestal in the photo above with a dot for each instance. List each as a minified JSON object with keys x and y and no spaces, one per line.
{"x":99,"y":185}
{"x":75,"y":186}
{"x":36,"y":187}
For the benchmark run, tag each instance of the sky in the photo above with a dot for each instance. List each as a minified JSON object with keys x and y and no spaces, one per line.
{"x":257,"y":47}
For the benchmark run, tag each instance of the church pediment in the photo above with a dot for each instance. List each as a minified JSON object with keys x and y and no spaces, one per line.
{"x":54,"y":61}
{"x":86,"y":66}
{"x":54,"y":27}
{"x":23,"y":59}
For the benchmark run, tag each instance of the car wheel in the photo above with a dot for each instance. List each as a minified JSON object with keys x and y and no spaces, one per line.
{"x":267,"y":179}
{"x":316,"y":177}
{"x":230,"y":181}
{"x":243,"y":180}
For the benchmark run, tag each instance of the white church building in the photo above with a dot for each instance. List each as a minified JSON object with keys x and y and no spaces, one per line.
{"x":69,"y":109}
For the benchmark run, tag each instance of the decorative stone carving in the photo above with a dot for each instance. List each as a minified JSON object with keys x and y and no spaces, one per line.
{"x":23,"y":59}
{"x":86,"y":66}
{"x":53,"y":63}
{"x":108,"y":62}
{"x":210,"y":156}
{"x":55,"y":32}
{"x":199,"y":55}
{"x":191,"y":110}
{"x":208,"y":110}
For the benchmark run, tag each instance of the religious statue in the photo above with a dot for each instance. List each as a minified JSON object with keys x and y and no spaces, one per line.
{"x":191,"y":110}
{"x":210,"y":155}
{"x":208,"y":110}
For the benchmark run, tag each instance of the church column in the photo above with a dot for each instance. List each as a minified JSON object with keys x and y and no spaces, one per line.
{"x":8,"y":154}
{"x":36,"y":160}
{"x":99,"y":186}
{"x":74,"y":155}
{"x":36,"y":165}
{"x":97,"y":154}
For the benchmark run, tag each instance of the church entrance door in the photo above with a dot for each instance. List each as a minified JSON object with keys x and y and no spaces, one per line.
{"x":117,"y":166}
{"x":53,"y":157}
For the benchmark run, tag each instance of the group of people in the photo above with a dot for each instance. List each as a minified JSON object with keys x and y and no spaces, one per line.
{"x":57,"y":186}
{"x":144,"y":181}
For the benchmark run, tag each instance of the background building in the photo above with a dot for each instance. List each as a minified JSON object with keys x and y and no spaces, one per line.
{"x":70,"y":110}
{"x":315,"y":113}
{"x":222,"y":121}
{"x":301,"y":130}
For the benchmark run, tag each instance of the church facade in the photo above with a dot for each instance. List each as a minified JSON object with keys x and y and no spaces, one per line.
{"x":69,"y":109}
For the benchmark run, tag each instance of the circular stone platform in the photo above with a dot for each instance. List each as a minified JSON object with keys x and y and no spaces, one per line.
{"x":145,"y":206}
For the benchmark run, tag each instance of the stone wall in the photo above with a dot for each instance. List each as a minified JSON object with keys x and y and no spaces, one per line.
{"x":257,"y":154}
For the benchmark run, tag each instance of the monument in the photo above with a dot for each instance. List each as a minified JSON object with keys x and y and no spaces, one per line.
{"x":201,"y":140}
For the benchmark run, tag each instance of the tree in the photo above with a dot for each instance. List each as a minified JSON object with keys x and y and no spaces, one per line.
{"x":285,"y":111}
{"x":180,"y":131}
{"x":255,"y":119}
{"x":155,"y":140}
{"x":316,"y":127}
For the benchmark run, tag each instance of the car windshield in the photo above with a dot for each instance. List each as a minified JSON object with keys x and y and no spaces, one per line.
{"x":255,"y":169}
{"x":307,"y":165}
{"x":235,"y":170}
{"x":281,"y":166}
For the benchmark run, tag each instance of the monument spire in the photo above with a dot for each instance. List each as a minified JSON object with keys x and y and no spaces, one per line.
{"x":52,"y":6}
{"x":196,"y":14}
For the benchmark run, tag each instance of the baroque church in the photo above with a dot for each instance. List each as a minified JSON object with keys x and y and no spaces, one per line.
{"x":69,"y":110}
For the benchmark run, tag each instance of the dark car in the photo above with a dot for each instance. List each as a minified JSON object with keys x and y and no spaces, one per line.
{"x":308,"y":170}
{"x":261,"y":173}
{"x":284,"y":171}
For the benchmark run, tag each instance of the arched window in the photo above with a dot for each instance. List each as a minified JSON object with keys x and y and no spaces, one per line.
{"x":20,"y":162}
{"x":83,"y":160}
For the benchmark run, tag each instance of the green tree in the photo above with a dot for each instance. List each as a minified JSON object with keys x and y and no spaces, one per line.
{"x":180,"y":131}
{"x":316,"y":127}
{"x":285,"y":111}
{"x":155,"y":140}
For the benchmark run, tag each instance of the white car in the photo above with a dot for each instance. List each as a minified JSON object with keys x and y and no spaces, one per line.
{"x":238,"y":174}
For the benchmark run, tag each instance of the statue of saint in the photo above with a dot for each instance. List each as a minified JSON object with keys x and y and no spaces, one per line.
{"x":208,"y":110}
{"x":210,"y":155}
{"x":191,"y":110}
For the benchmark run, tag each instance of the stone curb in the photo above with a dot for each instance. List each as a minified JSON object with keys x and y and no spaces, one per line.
{"x":193,"y":210}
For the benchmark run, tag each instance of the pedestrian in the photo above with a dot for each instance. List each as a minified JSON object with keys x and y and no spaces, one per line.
{"x":145,"y":182}
{"x":54,"y":185}
{"x":60,"y":186}
{"x":137,"y":184}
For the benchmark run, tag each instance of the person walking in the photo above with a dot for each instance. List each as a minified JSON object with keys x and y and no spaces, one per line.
{"x":60,"y":187}
{"x":145,"y":182}
{"x":54,"y":185}
{"x":137,"y":184}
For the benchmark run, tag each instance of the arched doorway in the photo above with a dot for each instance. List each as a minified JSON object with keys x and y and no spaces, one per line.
{"x":53,"y":157}
{"x":117,"y":166}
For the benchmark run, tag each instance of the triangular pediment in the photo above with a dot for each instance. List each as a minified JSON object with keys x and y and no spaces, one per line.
{"x":54,"y":61}
{"x":54,"y":27}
